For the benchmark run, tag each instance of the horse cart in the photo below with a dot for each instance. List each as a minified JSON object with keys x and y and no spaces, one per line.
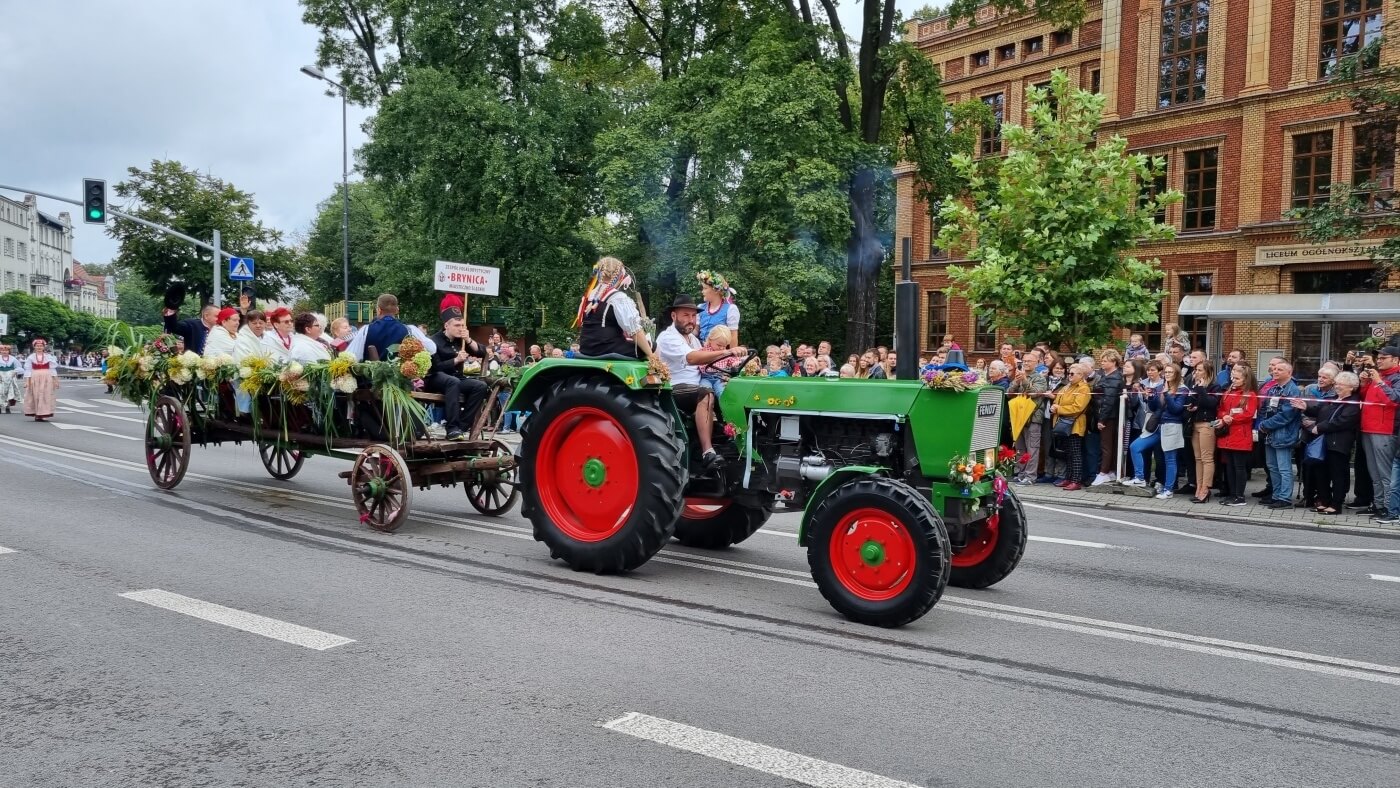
{"x":384,"y":470}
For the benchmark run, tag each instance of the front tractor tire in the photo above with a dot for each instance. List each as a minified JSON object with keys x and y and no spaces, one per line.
{"x":602,"y":474}
{"x":993,"y":548}
{"x":714,"y":524}
{"x":878,"y":551}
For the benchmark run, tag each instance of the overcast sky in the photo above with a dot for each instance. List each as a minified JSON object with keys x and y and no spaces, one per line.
{"x":91,"y":87}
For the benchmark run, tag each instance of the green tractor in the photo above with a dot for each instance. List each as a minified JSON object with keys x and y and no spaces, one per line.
{"x":611,"y":472}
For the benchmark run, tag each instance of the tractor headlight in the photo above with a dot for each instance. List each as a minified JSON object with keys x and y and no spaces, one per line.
{"x":989,"y":458}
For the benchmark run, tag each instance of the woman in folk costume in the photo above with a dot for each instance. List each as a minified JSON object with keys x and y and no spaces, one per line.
{"x":719,"y":309}
{"x":11,"y":370}
{"x":279,"y":340}
{"x":223,"y":336}
{"x":610,"y":320}
{"x":41,"y":370}
{"x":306,"y":347}
{"x":249,"y":344}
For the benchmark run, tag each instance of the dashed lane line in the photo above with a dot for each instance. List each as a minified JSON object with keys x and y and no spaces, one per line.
{"x":4,"y":550}
{"x":1386,"y":578}
{"x":751,"y":755}
{"x":74,"y":403}
{"x":239,"y":619}
{"x":112,"y":416}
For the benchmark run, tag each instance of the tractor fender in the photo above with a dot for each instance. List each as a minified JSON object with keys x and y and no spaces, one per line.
{"x":537,"y":379}
{"x":838,"y":477}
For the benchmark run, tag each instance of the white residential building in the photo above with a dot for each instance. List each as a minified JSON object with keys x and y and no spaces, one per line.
{"x":85,"y":292}
{"x":36,"y":249}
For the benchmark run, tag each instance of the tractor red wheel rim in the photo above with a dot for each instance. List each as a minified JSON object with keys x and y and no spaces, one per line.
{"x":981,"y":541}
{"x":873,"y":554}
{"x":704,"y":508}
{"x":587,"y":477}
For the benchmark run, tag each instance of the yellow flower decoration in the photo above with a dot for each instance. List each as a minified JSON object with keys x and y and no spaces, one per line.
{"x":630,"y":380}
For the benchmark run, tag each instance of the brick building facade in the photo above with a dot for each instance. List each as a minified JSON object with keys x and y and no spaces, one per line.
{"x":1233,"y":93}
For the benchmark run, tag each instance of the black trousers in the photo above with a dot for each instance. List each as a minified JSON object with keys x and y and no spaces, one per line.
{"x":1236,"y":471}
{"x":1334,"y":479}
{"x":461,"y":398}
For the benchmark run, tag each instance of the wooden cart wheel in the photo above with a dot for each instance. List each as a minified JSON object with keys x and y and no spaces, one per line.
{"x":281,"y":462}
{"x":495,"y":492}
{"x":380,"y":485}
{"x":167,"y":442}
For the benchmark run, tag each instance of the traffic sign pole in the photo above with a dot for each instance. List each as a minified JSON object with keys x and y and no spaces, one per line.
{"x":218,"y":292}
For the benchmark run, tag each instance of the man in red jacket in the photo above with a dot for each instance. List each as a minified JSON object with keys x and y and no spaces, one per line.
{"x":1378,"y":423}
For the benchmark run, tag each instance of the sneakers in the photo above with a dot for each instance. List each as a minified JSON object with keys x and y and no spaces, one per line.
{"x":1386,"y":519}
{"x":1045,"y":479}
{"x":1164,"y":495}
{"x":1236,"y":501}
{"x":1103,"y":478}
{"x":1359,"y":505}
{"x":456,"y":435}
{"x":1134,"y":482}
{"x":1279,"y":505}
{"x":712,"y":459}
{"x":1265,"y":494}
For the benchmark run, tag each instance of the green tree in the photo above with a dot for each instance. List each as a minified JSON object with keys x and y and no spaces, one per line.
{"x":1051,"y":232}
{"x":323,"y":258}
{"x":1354,"y":210}
{"x":195,"y":204}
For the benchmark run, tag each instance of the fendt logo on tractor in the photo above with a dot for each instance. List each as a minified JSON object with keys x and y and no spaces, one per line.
{"x":987,"y":409}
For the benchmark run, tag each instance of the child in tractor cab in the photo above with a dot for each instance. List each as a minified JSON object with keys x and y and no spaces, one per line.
{"x":718,"y":373}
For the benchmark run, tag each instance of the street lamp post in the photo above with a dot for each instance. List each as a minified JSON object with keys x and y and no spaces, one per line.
{"x":316,"y":73}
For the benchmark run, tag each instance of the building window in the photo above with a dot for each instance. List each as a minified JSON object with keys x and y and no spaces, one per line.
{"x":981,"y":59}
{"x":1094,"y":83}
{"x":1050,"y":99}
{"x":1348,"y":26}
{"x":934,"y":252}
{"x":1194,"y":325}
{"x":9,"y":247}
{"x":1156,"y":186}
{"x":984,"y":336}
{"x":1185,"y":34}
{"x":1312,"y":168}
{"x":1060,"y":38}
{"x":1006,"y":52}
{"x":937,"y":318}
{"x":991,"y":134}
{"x":22,"y":250}
{"x":1199,"y":187}
{"x":1373,"y":167}
{"x":1033,"y":46}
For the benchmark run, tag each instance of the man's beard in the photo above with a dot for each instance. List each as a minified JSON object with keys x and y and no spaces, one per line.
{"x":685,"y":329}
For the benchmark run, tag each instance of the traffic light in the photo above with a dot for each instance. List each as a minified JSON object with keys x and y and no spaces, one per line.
{"x":94,"y":201}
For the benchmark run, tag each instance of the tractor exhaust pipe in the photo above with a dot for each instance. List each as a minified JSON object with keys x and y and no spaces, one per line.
{"x":906,"y":319}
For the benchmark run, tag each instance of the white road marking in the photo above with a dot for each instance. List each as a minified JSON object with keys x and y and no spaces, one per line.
{"x":93,"y":430}
{"x":117,"y":403}
{"x":112,"y":416}
{"x":752,"y":755}
{"x":74,"y":403}
{"x":1211,"y":539}
{"x":239,"y":619}
{"x":1130,"y":632}
{"x":1386,"y":578}
{"x":4,"y":550}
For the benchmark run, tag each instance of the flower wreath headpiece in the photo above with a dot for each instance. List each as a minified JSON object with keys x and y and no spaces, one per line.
{"x":718,"y":282}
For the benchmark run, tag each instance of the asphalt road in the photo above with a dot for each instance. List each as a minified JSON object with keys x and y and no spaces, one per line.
{"x":1125,"y":650}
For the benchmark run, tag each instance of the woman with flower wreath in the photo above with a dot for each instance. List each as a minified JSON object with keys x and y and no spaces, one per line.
{"x":719,"y":308}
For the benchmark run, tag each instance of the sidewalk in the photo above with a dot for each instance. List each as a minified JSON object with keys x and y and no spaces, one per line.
{"x":1117,"y":497}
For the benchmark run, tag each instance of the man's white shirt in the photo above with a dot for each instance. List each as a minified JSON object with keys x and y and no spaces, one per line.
{"x":673,"y":347}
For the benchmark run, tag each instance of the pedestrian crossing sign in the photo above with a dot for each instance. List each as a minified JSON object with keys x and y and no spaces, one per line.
{"x":240,"y":269}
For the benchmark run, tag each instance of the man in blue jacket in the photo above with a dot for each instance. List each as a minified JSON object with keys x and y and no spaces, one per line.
{"x":1280,"y":429}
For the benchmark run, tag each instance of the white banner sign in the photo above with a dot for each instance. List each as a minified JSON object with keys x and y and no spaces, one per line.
{"x":463,"y":278}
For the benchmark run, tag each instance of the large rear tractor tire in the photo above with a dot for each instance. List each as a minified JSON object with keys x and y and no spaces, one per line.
{"x":602,"y":474}
{"x":993,"y":548}
{"x":717,"y":523}
{"x":879,"y":552}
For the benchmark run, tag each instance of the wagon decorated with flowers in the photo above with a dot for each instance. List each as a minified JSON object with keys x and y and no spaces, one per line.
{"x":369,"y":412}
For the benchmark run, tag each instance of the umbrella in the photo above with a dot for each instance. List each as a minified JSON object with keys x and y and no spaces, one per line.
{"x":1021,"y":409}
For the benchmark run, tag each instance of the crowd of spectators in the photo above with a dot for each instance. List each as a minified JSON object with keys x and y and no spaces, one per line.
{"x":1190,"y":428}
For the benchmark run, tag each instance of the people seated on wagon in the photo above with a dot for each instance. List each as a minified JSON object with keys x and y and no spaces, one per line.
{"x":462,"y":395}
{"x":224,"y":335}
{"x":373,"y":341}
{"x":306,"y":348}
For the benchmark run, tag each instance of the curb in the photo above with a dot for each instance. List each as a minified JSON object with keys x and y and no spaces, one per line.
{"x":1318,"y":527}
